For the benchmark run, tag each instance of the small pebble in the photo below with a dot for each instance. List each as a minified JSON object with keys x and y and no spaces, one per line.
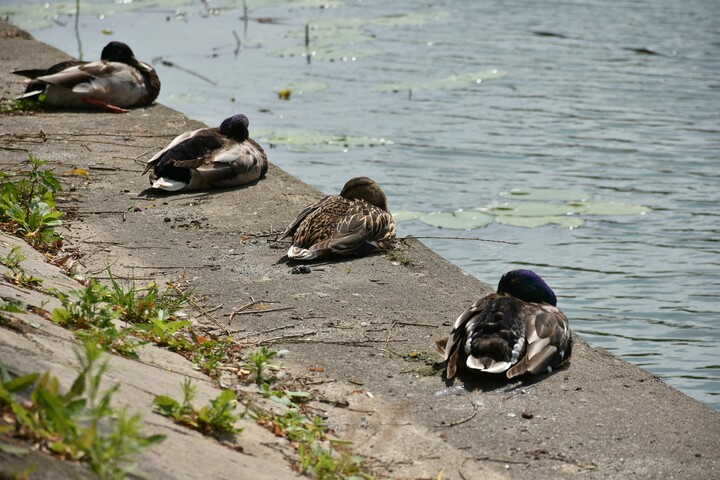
{"x":527,"y":415}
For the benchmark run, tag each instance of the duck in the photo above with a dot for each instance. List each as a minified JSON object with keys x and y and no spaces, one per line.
{"x":209,"y":158}
{"x":356,"y":222}
{"x":516,"y":330}
{"x":117,"y":81}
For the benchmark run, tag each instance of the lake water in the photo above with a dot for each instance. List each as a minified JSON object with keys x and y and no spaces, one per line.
{"x":602,"y":118}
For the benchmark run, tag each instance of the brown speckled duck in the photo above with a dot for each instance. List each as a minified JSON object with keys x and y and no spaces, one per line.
{"x":517,"y":330}
{"x":209,"y":158}
{"x":117,"y":81}
{"x":355,"y":222}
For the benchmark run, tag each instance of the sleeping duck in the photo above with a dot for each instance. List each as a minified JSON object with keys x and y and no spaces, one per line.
{"x":117,"y":81}
{"x":355,"y":222}
{"x":516,"y":330}
{"x":209,"y":158}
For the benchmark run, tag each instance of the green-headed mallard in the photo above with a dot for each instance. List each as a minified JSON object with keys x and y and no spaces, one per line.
{"x":355,"y":222}
{"x":117,"y":81}
{"x":516,"y":330}
{"x":209,"y":158}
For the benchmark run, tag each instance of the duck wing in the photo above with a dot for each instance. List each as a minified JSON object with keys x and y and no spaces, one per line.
{"x":304,"y":213}
{"x":488,"y":336}
{"x":549,"y":340}
{"x":33,"y":73}
{"x":234,"y":164}
{"x":364,"y":229}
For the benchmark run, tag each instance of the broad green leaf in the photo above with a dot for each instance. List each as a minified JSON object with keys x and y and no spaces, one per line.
{"x":613,"y":208}
{"x":20,"y":383}
{"x":406,"y":215}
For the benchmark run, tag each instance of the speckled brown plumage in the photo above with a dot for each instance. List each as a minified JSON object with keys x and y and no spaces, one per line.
{"x":355,"y":222}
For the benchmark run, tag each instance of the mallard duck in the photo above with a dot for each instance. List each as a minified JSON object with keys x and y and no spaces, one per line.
{"x":209,"y":158}
{"x":355,"y":222}
{"x":519,"y":329}
{"x":116,"y":81}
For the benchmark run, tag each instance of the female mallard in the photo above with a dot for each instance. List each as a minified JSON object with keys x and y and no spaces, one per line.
{"x":516,"y":330}
{"x":209,"y":158}
{"x":116,"y":81}
{"x":355,"y":222}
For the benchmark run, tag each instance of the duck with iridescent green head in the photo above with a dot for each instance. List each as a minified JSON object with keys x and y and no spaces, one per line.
{"x":115,"y":82}
{"x":516,"y":330}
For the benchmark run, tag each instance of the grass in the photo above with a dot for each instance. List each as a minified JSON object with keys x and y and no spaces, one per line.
{"x":396,"y":256}
{"x":319,"y":454}
{"x":18,"y":275}
{"x":216,"y":419}
{"x":79,"y":424}
{"x":27,"y":205}
{"x":21,"y":105}
{"x":119,"y":317}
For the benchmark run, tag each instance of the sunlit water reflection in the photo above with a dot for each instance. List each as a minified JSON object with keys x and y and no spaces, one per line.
{"x":618,"y":100}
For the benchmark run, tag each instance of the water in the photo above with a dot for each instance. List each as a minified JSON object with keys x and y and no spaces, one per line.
{"x":617,"y":100}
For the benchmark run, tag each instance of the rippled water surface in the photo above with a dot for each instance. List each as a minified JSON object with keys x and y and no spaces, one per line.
{"x":578,"y":104}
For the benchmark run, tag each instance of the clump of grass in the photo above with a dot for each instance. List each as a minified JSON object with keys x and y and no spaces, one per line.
{"x":216,"y":419}
{"x":19,"y":276}
{"x":27,"y":205}
{"x":397,"y":256}
{"x":89,"y":313}
{"x":319,"y":453}
{"x":21,"y":105}
{"x":79,"y":424}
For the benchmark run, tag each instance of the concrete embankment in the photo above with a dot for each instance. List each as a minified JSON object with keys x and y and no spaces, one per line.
{"x":358,"y":333}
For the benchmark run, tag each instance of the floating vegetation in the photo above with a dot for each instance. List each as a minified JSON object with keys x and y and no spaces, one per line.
{"x":35,"y":16}
{"x":406,"y":215}
{"x":614,"y":208}
{"x":452,"y":82}
{"x":528,"y":214}
{"x":536,"y":209}
{"x":534,"y":222}
{"x":458,"y":220}
{"x":314,"y":142}
{"x":330,"y":53}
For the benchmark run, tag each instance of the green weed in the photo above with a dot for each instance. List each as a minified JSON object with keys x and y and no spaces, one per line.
{"x":19,"y":276}
{"x":396,"y":256}
{"x":217,"y":419}
{"x":79,"y":424}
{"x":259,"y":363}
{"x":27,"y":205}
{"x":88,"y":312}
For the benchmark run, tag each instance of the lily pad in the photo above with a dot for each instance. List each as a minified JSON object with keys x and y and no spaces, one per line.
{"x":406,"y":215}
{"x":534,"y":222}
{"x":458,"y":220}
{"x":536,"y":209}
{"x":449,"y":83}
{"x":546,"y":194}
{"x":613,"y":208}
{"x":303,"y":141}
